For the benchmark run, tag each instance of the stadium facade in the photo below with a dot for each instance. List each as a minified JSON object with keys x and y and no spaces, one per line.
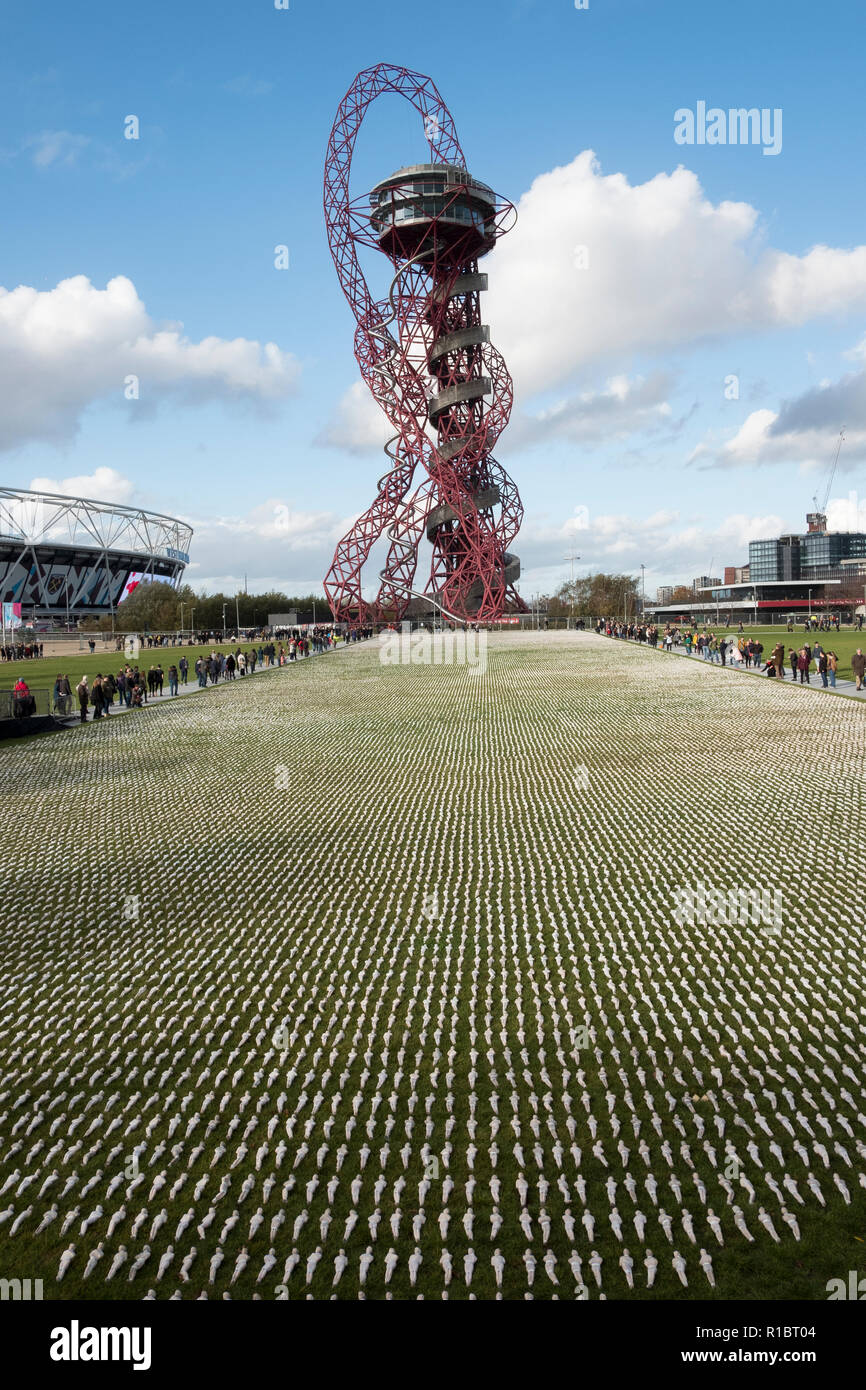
{"x":73,"y":557}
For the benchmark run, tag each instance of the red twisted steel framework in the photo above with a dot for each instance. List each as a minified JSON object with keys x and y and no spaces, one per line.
{"x":427,"y":358}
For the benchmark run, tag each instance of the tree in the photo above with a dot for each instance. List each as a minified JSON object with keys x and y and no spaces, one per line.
{"x":596,"y":596}
{"x":155,"y":606}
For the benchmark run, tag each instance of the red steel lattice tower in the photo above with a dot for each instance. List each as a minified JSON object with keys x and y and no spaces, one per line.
{"x":426,"y":356}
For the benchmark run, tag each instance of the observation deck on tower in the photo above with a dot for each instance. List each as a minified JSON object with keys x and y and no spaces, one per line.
{"x":427,"y":204}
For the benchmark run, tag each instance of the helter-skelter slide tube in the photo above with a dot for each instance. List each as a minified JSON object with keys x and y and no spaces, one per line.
{"x":427,"y":358}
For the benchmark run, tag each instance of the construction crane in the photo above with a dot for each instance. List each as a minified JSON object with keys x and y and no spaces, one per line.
{"x":817,"y":520}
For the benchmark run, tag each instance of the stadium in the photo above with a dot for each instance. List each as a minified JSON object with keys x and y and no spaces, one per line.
{"x":66,"y":558}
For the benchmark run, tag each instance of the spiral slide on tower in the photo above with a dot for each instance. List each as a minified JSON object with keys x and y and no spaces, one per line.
{"x":429,"y":362}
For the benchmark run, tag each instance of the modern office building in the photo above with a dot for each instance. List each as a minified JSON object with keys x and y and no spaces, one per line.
{"x":815,"y":555}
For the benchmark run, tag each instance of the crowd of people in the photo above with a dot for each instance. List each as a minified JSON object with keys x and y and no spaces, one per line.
{"x":133,"y":686}
{"x":20,"y":651}
{"x":744,"y":651}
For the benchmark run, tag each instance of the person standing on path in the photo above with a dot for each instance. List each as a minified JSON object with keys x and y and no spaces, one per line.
{"x":832,"y":666}
{"x":822,"y":668}
{"x":97,"y":697}
{"x":83,"y":698}
{"x":817,"y":653}
{"x":858,"y":667}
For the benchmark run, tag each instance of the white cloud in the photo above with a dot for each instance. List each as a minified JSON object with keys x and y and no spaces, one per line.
{"x":63,"y":349}
{"x":666,"y":268}
{"x":102,"y":485}
{"x":674,"y":548}
{"x":623,"y":406}
{"x":359,"y":425}
{"x":804,"y":431}
{"x":58,"y":147}
{"x":274,"y":545}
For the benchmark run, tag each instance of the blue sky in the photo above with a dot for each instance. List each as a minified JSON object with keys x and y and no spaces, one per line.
{"x":623,"y":443}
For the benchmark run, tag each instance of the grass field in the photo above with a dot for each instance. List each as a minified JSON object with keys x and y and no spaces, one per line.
{"x":843,"y":643}
{"x":41,"y":673}
{"x":417,"y":924}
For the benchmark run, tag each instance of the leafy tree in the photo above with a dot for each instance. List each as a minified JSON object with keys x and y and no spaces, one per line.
{"x":157,"y":607}
{"x":596,"y":596}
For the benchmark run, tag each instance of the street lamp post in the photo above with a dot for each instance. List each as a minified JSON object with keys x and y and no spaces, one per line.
{"x":572,"y":557}
{"x":225,"y":606}
{"x":192,"y":622}
{"x":181,"y":621}
{"x":237,"y":618}
{"x":643,"y":593}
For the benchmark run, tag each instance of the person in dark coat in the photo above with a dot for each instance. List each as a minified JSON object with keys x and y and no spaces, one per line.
{"x":858,"y":667}
{"x":83,"y":698}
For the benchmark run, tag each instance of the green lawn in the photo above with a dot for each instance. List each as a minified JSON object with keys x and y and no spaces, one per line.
{"x":41,"y":673}
{"x":459,"y":895}
{"x":843,"y":643}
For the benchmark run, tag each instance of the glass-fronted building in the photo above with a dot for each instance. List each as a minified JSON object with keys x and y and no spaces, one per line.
{"x":803,"y":557}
